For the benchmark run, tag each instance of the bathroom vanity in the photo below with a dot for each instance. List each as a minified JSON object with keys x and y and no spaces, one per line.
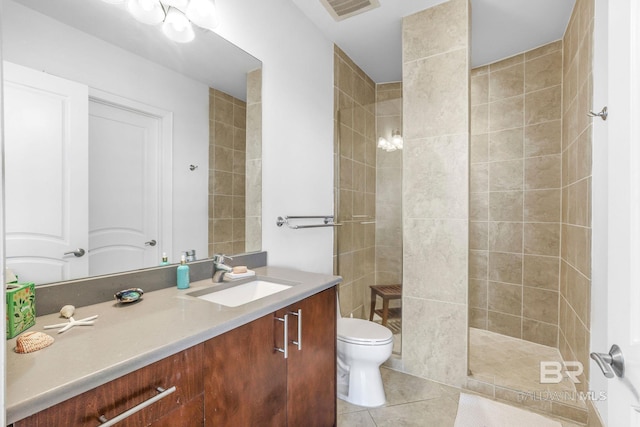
{"x":197,"y":362}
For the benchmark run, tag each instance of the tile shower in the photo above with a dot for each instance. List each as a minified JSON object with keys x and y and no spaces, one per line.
{"x":515,"y":195}
{"x":368,"y":246}
{"x":227,"y":167}
{"x":235,"y":169}
{"x":529,"y":175}
{"x":530,"y":219}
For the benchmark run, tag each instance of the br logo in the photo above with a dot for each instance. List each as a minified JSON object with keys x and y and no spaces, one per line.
{"x":554,"y":372}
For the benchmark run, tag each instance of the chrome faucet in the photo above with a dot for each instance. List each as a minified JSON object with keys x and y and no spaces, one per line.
{"x":220,"y":268}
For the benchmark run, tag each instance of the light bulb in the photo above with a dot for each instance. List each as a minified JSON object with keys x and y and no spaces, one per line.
{"x":177,"y":27}
{"x":396,"y":139}
{"x":203,"y":13}
{"x":146,"y":11}
{"x":385,"y":144}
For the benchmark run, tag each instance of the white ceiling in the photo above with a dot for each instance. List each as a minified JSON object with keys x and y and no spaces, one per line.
{"x":500,"y":28}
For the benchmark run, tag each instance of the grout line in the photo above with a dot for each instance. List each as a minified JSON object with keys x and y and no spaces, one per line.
{"x":424,"y":58}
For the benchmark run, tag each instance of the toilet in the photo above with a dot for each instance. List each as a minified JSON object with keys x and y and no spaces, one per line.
{"x":362,"y":347}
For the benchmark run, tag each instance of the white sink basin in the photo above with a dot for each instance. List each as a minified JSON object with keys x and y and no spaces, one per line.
{"x":242,"y":294}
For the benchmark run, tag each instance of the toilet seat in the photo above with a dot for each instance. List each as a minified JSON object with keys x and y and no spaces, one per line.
{"x":363,"y":332}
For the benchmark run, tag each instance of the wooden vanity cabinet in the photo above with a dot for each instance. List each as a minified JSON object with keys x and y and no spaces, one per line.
{"x":249,"y":382}
{"x":183,"y":408}
{"x":189,"y":414}
{"x":245,"y":378}
{"x":311,"y":371}
{"x":236,"y":379}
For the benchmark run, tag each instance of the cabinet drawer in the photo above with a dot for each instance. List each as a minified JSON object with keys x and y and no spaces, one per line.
{"x":182,"y":370}
{"x":188,"y":415}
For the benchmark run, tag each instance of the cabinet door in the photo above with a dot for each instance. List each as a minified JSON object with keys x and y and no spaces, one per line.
{"x":245,"y":377}
{"x":311,"y":371}
{"x":181,"y":370}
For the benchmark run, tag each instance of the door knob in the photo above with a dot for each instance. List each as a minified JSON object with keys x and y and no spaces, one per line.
{"x":612,"y":363}
{"x":77,"y":253}
{"x":150,"y":243}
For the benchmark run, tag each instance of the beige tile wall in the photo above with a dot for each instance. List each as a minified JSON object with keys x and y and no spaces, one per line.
{"x":388,"y":187}
{"x":436,"y":192}
{"x":253,"y":190}
{"x":575,"y":270}
{"x":355,"y":160}
{"x":515,"y":199}
{"x":227,"y":165}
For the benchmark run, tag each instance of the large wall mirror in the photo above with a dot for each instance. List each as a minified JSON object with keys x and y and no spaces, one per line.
{"x":122,"y":145}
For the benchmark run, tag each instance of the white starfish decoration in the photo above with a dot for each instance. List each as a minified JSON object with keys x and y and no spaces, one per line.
{"x":72,"y":322}
{"x":67,"y":311}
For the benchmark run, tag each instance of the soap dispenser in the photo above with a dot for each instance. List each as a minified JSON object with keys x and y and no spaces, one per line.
{"x":165,"y":260}
{"x":183,"y":274}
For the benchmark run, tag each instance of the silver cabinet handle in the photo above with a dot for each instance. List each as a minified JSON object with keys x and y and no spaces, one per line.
{"x":612,"y":363}
{"x":150,"y":243}
{"x":163,"y":393}
{"x":77,"y":253}
{"x":298,"y":314}
{"x":285,"y":350}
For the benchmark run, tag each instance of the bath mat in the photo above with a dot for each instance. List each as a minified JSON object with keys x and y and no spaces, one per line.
{"x":476,"y":411}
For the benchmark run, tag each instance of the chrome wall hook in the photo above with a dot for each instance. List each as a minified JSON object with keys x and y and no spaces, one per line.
{"x":193,"y":167}
{"x":602,"y":114}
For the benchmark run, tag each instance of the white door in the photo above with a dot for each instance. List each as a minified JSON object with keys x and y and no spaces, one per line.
{"x":45,"y":125}
{"x":124,"y":182}
{"x":623,"y":398}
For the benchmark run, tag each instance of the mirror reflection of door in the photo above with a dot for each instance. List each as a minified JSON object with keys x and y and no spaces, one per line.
{"x":124,"y":150}
{"x":46,"y":175}
{"x":83,"y":188}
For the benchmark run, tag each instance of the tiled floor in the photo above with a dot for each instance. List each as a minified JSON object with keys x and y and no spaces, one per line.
{"x":513,"y":364}
{"x":411,"y":401}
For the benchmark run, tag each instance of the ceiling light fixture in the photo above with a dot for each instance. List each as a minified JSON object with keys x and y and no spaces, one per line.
{"x":146,"y":11}
{"x":396,"y":143}
{"x":176,"y":16}
{"x":203,"y":13}
{"x":177,"y":27}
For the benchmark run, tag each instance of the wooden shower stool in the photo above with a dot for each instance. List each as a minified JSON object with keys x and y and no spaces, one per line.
{"x":387,"y":293}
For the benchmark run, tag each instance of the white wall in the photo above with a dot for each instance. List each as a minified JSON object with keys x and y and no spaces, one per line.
{"x":36,"y":41}
{"x":297,"y":124}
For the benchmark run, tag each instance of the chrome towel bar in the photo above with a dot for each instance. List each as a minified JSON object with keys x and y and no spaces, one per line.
{"x":327,"y":221}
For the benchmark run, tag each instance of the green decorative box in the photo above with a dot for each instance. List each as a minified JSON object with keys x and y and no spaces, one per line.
{"x":21,"y":308}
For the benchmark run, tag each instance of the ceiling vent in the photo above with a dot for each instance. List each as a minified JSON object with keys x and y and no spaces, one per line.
{"x":343,"y":9}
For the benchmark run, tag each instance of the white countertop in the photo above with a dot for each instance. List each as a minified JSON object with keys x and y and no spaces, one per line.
{"x":125,"y":338}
